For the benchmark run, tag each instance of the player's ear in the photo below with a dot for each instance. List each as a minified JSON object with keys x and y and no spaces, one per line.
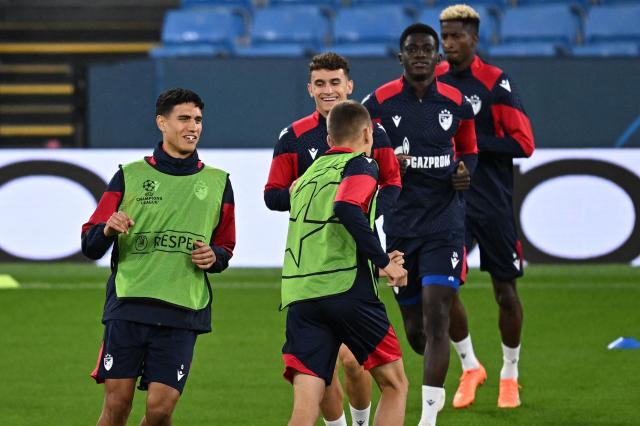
{"x":160,"y":122}
{"x":349,"y":87}
{"x":309,"y":89}
{"x":330,"y":141}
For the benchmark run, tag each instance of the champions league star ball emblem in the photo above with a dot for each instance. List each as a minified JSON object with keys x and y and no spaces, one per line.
{"x":108,"y":362}
{"x":150,"y":186}
{"x":445,"y":119}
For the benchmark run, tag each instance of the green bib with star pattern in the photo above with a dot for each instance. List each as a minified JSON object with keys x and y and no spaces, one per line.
{"x":170,"y":214}
{"x":320,"y":258}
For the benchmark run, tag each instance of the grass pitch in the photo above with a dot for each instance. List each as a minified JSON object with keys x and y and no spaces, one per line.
{"x":51,"y":332}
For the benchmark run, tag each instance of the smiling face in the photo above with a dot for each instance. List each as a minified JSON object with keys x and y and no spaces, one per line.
{"x":329,"y":87}
{"x":181,"y":129}
{"x":419,"y":56}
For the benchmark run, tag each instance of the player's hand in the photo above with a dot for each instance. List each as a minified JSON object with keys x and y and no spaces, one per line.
{"x":292,"y":185}
{"x":403,"y":161}
{"x":461,"y":179}
{"x":203,"y":256}
{"x":118,"y":223}
{"x":397,"y":275}
{"x":395,"y":256}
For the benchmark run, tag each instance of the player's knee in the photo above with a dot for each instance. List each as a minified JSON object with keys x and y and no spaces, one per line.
{"x":506,"y":296}
{"x":118,"y":406}
{"x":416,"y":339}
{"x":159,"y":414}
{"x":333,"y":393}
{"x":351,"y":366}
{"x":396,"y":383}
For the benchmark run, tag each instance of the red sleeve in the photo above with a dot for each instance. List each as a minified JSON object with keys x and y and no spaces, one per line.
{"x":106,"y":207}
{"x":465,"y":138}
{"x":283,"y":171}
{"x":389,"y":168}
{"x":510,"y":121}
{"x":225,"y":234}
{"x":357,"y":190}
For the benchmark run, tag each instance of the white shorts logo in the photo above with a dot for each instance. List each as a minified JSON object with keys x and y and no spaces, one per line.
{"x":445,"y":119}
{"x":108,"y":362}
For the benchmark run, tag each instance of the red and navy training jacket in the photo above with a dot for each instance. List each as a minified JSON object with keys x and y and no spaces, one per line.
{"x":436,"y":131}
{"x":503,"y":131}
{"x":301,"y":143}
{"x":95,"y":245}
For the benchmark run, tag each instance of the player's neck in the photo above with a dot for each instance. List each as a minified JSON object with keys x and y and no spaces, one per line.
{"x":461,"y":66}
{"x":419,"y":86}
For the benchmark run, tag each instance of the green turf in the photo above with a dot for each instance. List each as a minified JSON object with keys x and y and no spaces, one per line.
{"x":51,"y":333}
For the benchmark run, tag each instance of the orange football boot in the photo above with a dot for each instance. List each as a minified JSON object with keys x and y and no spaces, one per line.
{"x":509,"y":393}
{"x":469,"y":381}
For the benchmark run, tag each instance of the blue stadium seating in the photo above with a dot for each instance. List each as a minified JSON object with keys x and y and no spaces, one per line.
{"x":187,"y":50}
{"x":272,"y":51}
{"x":488,"y":22}
{"x":608,"y":49}
{"x":247,"y":4}
{"x":279,"y":25}
{"x":489,"y":3}
{"x":200,"y":31}
{"x":545,"y":23}
{"x":327,"y":3}
{"x":613,"y":23}
{"x":362,"y":50}
{"x":539,"y":49}
{"x":370,"y":24}
{"x":410,"y":3}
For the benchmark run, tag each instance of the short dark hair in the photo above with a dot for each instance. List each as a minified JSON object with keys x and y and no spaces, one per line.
{"x":172,"y":97}
{"x":346,"y":119}
{"x":329,"y":61}
{"x":419,"y":28}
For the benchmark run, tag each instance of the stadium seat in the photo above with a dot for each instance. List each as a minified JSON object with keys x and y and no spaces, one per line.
{"x":327,"y":3}
{"x":488,"y":25}
{"x":545,"y":23}
{"x":247,"y":4}
{"x":187,"y":50}
{"x":539,"y":49}
{"x":370,"y":24}
{"x":607,"y":49}
{"x":199,"y":31}
{"x":613,"y":23}
{"x":362,"y":50}
{"x":273,"y":51}
{"x":405,"y":3}
{"x":306,"y":26}
{"x":489,"y":3}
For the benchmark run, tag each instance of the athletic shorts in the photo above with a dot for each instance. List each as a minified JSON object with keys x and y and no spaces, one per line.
{"x":438,"y":259}
{"x":156,"y":354}
{"x":500,"y":249}
{"x":315,"y":330}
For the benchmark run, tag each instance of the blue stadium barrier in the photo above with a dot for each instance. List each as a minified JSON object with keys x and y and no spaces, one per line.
{"x":247,"y":4}
{"x":192,"y":30}
{"x":515,"y":49}
{"x":608,"y":49}
{"x":613,"y":23}
{"x":187,"y":50}
{"x":362,"y":50}
{"x":273,"y":51}
{"x":306,"y":26}
{"x":545,"y":23}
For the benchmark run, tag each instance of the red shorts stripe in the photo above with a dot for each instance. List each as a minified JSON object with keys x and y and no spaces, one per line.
{"x":94,"y":373}
{"x":293,"y":364}
{"x":388,"y":350}
{"x":463,"y":274}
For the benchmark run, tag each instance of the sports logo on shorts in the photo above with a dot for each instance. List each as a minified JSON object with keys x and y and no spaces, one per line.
{"x":181,"y":372}
{"x":108,"y":362}
{"x":200,"y":189}
{"x":516,"y":261}
{"x":454,"y":259}
{"x":475,"y":102}
{"x":445,"y":119}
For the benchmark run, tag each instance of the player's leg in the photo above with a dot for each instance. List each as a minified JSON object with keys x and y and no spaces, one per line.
{"x":394,"y":387}
{"x":331,"y":406}
{"x":310,"y":354}
{"x":166,"y":370}
{"x":161,"y":402}
{"x":357,"y":382}
{"x":473,"y":373}
{"x":501,"y":256}
{"x":118,"y":397}
{"x":307,"y":394}
{"x":119,"y":364}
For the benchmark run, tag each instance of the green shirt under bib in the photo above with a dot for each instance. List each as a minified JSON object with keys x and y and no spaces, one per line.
{"x":320,"y":258}
{"x":170,"y":214}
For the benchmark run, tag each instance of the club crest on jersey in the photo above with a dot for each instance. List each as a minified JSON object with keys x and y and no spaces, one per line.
{"x":108,"y":362}
{"x":445,"y":118}
{"x":200,"y":189}
{"x":475,"y":102}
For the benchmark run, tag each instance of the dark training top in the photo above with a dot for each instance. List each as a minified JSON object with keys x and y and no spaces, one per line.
{"x":301,"y":143}
{"x":436,"y":131}
{"x":503,"y":131}
{"x":95,"y":245}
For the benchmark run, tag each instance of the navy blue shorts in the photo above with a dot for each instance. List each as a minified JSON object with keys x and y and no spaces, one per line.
{"x":500,"y":249}
{"x":315,"y":330}
{"x":156,"y":354}
{"x":439,"y":259}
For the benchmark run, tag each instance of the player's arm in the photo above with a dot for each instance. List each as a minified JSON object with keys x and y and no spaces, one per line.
{"x":223,"y":238}
{"x":353,"y":199}
{"x":466,"y":149}
{"x":514,"y":135}
{"x":283,"y":172}
{"x":94,"y":241}
{"x":390,"y":182}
